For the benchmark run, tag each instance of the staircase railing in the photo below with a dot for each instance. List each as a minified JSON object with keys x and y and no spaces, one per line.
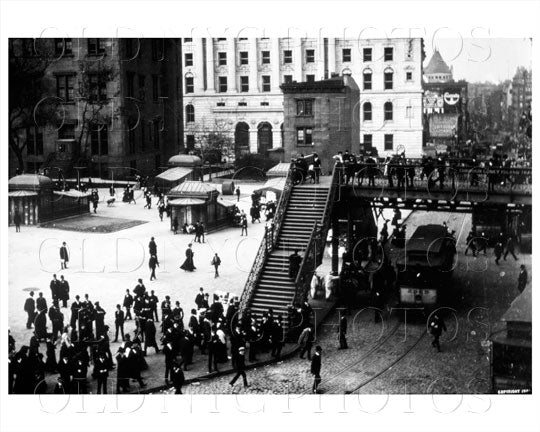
{"x":283,"y":202}
{"x":317,"y":241}
{"x":256,"y":269}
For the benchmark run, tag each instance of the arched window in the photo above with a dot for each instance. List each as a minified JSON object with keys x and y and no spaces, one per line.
{"x":368,"y":113}
{"x":190,"y":113}
{"x":388,"y":111}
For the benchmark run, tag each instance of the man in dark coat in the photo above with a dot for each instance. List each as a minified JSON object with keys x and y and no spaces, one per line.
{"x":316,"y":368}
{"x":150,"y":336}
{"x":170,"y":357}
{"x":63,"y":292}
{"x":239,"y":361}
{"x":199,"y":298}
{"x":152,"y":247}
{"x":154,"y":301}
{"x":436,"y":327}
{"x":119,"y":322}
{"x":277,"y":337}
{"x":75,"y":308}
{"x":522,"y":278}
{"x":294,"y":264}
{"x":57,"y":321}
{"x":30,"y":309}
{"x":101,"y":372}
{"x":306,"y":342}
{"x":342,"y":330}
{"x":64,"y":256}
{"x":41,"y":303}
{"x":17,"y":221}
{"x":128,"y":303}
{"x":99,"y":315}
{"x":510,"y":245}
{"x":177,"y":377}
{"x":152,"y":264}
{"x":165,"y":308}
{"x":213,"y":351}
{"x":55,"y":288}
{"x":139,"y":289}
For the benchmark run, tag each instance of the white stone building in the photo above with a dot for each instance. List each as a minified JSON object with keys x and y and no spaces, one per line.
{"x":232,"y":86}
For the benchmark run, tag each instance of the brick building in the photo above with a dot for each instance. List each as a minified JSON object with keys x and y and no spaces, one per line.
{"x":232,"y":86}
{"x":321,"y":117}
{"x":119,"y":106}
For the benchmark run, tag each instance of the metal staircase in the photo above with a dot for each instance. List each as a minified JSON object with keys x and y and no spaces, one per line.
{"x":301,"y":223}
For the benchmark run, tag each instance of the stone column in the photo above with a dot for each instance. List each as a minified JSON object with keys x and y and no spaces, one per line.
{"x":210,"y":80}
{"x":331,"y":56}
{"x":275,"y":64}
{"x":253,"y":138}
{"x":319,"y":75}
{"x":335,"y":244}
{"x":198,"y":60}
{"x":253,"y":66}
{"x":276,"y":136}
{"x":298,"y":59}
{"x":231,"y":65}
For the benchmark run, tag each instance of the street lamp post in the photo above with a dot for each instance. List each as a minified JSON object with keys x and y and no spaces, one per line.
{"x":78,"y":168}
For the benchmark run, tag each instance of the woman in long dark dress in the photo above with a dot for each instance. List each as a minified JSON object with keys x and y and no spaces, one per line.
{"x":188,"y":263}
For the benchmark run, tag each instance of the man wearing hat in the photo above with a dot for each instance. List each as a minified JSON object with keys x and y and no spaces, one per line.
{"x":139,"y":289}
{"x":316,"y":368}
{"x":239,"y":362}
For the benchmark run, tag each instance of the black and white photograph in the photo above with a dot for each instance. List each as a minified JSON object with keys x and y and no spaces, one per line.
{"x":255,"y":213}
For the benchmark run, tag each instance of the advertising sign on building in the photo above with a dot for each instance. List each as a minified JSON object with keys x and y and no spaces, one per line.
{"x":443,"y":125}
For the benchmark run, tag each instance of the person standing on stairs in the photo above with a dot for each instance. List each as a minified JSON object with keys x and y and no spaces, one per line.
{"x":294,"y":264}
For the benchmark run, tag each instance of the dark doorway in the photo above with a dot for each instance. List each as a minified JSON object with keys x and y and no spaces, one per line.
{"x":264,"y":137}
{"x":241,"y":140}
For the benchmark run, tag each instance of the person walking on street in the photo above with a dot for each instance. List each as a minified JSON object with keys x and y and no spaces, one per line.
{"x":128,"y":302}
{"x":55,"y":288}
{"x":244,"y":225}
{"x":294,"y":264}
{"x":522,"y":278}
{"x":175,"y":225}
{"x":152,"y":247}
{"x":498,"y":251}
{"x":30,"y":309}
{"x":188,"y":264}
{"x":177,"y":377}
{"x":306,"y":342}
{"x":510,"y":246}
{"x":237,"y":192}
{"x":239,"y":362}
{"x":63,"y":291}
{"x":17,"y":221}
{"x":436,"y":327}
{"x":316,"y":369}
{"x":119,"y":322}
{"x":152,"y":263}
{"x":470,"y":241}
{"x":216,"y":262}
{"x":64,"y":256}
{"x":342,"y":330}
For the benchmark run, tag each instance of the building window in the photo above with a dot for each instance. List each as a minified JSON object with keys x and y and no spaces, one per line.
{"x":346,"y":55}
{"x":265,"y":104}
{"x":310,"y":56}
{"x":408,"y":76}
{"x":222,"y":84}
{"x":389,"y":142}
{"x":266,"y":83}
{"x":388,"y":111}
{"x":158,"y":49}
{"x":368,"y":141}
{"x":244,"y":59}
{"x":388,"y":54}
{"x":99,"y":139}
{"x":408,"y":112}
{"x":389,"y":80}
{"x":304,"y":107}
{"x":242,"y":104}
{"x":190,"y":113}
{"x":368,"y":111}
{"x":64,"y":87}
{"x":142,"y":80}
{"x":367,"y":53}
{"x":367,"y":80}
{"x":310,"y":78}
{"x":188,"y":39}
{"x":130,"y":84}
{"x":188,"y":59}
{"x":265,"y":56}
{"x":190,"y":88}
{"x":34,"y":141}
{"x":287,"y":56}
{"x":96,"y":46}
{"x":155,"y":88}
{"x":222,"y":58}
{"x":190,"y":142}
{"x":244,"y":84}
{"x":221,"y":39}
{"x":287,"y":79}
{"x":220,"y":104}
{"x":63,"y":47}
{"x":304,"y":136}
{"x":97,"y":87}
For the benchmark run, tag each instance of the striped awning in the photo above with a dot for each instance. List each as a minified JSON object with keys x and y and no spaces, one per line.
{"x":186,"y":202}
{"x":174,"y":174}
{"x":22,"y":193}
{"x":280,"y":170}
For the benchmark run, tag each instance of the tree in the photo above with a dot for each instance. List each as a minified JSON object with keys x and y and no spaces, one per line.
{"x":28,"y":62}
{"x":213,"y":140}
